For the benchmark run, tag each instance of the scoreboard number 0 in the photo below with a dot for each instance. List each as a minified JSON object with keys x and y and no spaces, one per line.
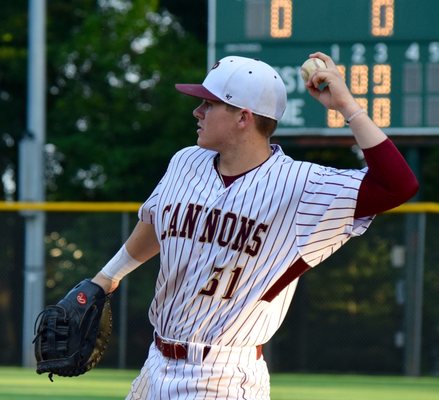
{"x":281,"y":18}
{"x":389,"y":60}
{"x":383,"y":17}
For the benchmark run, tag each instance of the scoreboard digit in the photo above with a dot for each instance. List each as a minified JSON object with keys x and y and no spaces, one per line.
{"x":387,"y":51}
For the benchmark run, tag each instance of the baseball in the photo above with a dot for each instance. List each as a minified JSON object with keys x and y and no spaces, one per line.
{"x":309,"y":66}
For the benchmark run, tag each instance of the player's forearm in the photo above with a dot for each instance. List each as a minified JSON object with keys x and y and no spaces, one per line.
{"x":367,"y":134}
{"x":141,"y":246}
{"x":120,"y":265}
{"x":389,"y":181}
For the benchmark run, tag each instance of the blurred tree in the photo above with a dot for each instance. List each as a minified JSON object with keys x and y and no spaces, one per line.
{"x":114,"y":116}
{"x":13,"y":53}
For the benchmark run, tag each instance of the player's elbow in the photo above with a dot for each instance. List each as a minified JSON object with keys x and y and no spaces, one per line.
{"x":401,"y":194}
{"x":409,"y":189}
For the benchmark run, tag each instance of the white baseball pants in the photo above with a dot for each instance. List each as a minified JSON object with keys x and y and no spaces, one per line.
{"x":226,"y":373}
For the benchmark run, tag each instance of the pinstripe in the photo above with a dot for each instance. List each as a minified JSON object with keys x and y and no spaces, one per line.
{"x":178,"y":286}
{"x":242,"y":239}
{"x":174,"y":187}
{"x":252,"y":272}
{"x":204,"y":339}
{"x":243,"y":384}
{"x":184,"y":293}
{"x":266,"y":252}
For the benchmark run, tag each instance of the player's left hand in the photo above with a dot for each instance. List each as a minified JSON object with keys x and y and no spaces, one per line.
{"x":107,"y":284}
{"x":73,"y":335}
{"x":329,"y":88}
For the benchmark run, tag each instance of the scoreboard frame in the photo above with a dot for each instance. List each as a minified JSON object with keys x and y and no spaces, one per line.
{"x":388,"y":51}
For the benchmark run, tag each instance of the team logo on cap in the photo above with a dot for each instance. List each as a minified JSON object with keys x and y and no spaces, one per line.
{"x":216,"y":65}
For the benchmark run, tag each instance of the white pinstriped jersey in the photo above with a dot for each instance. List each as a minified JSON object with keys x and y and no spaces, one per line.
{"x":223,"y":248}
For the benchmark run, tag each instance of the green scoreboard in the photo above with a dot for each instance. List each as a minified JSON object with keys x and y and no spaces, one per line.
{"x":387,"y":50}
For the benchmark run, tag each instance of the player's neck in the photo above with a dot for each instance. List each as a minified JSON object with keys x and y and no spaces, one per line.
{"x":236,"y":161}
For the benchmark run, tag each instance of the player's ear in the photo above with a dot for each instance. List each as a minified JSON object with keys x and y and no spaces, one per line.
{"x":245,"y":117}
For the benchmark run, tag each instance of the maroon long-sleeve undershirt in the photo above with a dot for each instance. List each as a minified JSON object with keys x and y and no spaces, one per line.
{"x":388,"y":183}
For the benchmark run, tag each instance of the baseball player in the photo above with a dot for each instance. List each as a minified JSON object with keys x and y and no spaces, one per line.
{"x":236,"y":222}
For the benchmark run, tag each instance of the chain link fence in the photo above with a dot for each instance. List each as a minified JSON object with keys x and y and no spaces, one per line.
{"x":370,"y":308}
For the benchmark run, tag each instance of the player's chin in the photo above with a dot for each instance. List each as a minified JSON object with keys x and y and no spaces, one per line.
{"x":201,"y":141}
{"x":205,"y":144}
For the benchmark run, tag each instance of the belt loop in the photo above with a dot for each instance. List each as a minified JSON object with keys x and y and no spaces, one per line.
{"x":196,"y":353}
{"x":172,"y":351}
{"x":206,"y":351}
{"x":259,"y":351}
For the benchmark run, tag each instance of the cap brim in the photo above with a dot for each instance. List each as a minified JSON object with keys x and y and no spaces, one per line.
{"x":196,"y":90}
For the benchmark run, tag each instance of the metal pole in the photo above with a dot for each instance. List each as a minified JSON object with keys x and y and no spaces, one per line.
{"x":31,"y":176}
{"x":123,"y":306}
{"x":419,"y":293}
{"x":416,"y":225}
{"x":415,"y":237}
{"x":211,"y":34}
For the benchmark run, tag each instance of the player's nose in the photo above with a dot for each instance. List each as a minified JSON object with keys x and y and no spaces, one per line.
{"x":199,"y":111}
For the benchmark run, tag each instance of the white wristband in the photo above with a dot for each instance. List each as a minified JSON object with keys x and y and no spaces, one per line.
{"x":120,"y":265}
{"x":355,"y":114}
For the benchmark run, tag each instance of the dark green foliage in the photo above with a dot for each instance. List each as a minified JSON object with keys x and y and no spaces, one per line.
{"x":114,"y":114}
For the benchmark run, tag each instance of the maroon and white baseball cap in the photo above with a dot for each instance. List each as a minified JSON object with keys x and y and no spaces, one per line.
{"x":242,"y":82}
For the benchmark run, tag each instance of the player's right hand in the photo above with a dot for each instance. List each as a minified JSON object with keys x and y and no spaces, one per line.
{"x":329,"y":88}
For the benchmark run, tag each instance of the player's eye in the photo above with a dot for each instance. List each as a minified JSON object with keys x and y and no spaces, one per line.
{"x":207,"y":104}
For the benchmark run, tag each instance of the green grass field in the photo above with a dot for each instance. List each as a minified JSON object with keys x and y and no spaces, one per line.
{"x":102,"y":384}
